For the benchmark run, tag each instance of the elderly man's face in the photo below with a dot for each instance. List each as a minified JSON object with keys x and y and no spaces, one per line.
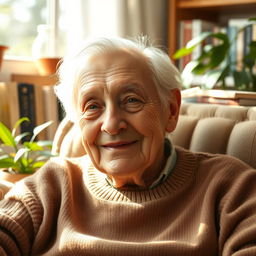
{"x":122,"y":119}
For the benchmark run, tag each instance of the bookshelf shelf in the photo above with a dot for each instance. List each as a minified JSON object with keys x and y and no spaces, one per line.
{"x":211,"y":10}
{"x":211,"y":3}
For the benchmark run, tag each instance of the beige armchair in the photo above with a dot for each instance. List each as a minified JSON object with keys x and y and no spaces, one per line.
{"x":208,"y":128}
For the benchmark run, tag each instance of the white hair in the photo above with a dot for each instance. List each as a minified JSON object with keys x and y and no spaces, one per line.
{"x":71,"y":71}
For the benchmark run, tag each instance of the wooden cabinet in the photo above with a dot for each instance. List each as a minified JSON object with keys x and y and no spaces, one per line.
{"x":213,"y":10}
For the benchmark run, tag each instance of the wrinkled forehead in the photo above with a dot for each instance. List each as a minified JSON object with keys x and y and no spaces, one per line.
{"x":123,"y":58}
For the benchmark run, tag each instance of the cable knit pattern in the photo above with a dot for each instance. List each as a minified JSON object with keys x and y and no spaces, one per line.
{"x":206,"y":207}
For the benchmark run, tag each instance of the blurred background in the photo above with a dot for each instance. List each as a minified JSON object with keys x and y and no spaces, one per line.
{"x":66,"y":23}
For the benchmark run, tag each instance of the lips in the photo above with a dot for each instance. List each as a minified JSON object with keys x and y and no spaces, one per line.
{"x":119,"y":144}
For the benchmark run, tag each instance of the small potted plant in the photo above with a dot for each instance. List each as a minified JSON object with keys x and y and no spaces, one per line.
{"x":215,"y":64}
{"x":19,"y":159}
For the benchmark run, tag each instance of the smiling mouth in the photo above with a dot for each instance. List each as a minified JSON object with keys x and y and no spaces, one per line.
{"x":119,"y":145}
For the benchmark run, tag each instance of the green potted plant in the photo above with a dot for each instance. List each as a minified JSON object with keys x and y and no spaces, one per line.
{"x":214,"y":63}
{"x":19,"y":159}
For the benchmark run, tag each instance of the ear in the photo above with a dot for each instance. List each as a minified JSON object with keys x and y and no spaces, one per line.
{"x":174,"y":109}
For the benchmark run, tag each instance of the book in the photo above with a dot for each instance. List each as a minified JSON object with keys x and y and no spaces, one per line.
{"x":240,"y":44}
{"x":198,"y":27}
{"x":226,"y":97}
{"x":189,"y":29}
{"x":50,"y":110}
{"x":186,"y":36}
{"x":4,"y":104}
{"x":14,"y":111}
{"x":27,"y":108}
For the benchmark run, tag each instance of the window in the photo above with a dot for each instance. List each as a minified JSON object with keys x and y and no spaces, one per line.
{"x":18,"y":24}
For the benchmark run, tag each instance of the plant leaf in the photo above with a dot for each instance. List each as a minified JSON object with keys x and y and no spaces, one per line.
{"x":182,"y":52}
{"x":45,"y":143}
{"x":38,"y":164}
{"x":20,"y":153}
{"x":40,"y":128}
{"x":187,"y":74}
{"x":197,"y":40}
{"x":6,"y":136}
{"x":6,"y":162}
{"x":33,"y":146}
{"x":241,"y":80}
{"x":18,"y":123}
{"x":19,"y":137}
{"x":211,"y":78}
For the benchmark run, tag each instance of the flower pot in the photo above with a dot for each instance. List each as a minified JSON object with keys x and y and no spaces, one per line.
{"x":11,"y":177}
{"x":47,"y":66}
{"x":2,"y":50}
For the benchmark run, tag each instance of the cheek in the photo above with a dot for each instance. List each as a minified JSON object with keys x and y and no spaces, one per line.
{"x":90,"y":132}
{"x":149,"y":123}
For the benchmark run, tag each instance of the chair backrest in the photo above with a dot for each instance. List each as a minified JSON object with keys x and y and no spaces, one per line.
{"x":201,"y":127}
{"x":218,"y":129}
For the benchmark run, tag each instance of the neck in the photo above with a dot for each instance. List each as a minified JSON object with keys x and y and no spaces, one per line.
{"x":145,"y":178}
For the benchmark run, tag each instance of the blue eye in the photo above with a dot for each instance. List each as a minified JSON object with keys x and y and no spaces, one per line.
{"x":93,"y":107}
{"x":132,"y":100}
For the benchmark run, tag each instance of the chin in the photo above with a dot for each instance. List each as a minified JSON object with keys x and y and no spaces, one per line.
{"x":121,"y":168}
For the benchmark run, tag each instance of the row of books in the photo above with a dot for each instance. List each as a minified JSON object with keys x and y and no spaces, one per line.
{"x":189,"y":29}
{"x":30,"y":99}
{"x":223,"y":97}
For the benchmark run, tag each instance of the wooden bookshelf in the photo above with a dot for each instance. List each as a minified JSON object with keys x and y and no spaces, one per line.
{"x":34,"y":79}
{"x":212,"y":10}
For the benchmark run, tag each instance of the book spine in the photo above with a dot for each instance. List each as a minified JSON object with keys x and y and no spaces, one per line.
{"x":26,"y":95}
{"x":187,"y":36}
{"x":247,"y":39}
{"x":232,"y":30}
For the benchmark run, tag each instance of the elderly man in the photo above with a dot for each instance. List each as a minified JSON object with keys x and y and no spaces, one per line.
{"x":134,"y":193}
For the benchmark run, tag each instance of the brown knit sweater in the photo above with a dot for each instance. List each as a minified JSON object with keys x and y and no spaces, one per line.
{"x":207,"y":207}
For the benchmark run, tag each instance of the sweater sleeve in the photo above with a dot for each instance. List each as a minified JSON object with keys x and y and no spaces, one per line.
{"x":238,"y":215}
{"x":20,"y":216}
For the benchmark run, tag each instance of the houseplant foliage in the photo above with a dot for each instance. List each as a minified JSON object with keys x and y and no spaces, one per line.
{"x":23,"y":157}
{"x":214,"y":63}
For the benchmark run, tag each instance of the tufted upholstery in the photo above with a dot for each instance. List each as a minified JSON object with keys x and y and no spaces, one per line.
{"x":218,"y":129}
{"x":201,"y":127}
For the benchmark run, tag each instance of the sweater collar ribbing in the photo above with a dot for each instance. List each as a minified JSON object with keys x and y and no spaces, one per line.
{"x":181,"y":174}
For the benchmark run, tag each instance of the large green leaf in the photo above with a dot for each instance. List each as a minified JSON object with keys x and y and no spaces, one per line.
{"x":241,"y":80}
{"x":6,"y":162}
{"x":218,"y":55}
{"x":6,"y":136}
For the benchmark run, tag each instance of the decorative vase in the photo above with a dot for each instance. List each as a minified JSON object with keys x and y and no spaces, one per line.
{"x":47,"y":66}
{"x":43,"y":52}
{"x":2,"y":50}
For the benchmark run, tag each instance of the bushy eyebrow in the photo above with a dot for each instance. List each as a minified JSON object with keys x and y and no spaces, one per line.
{"x":123,"y":88}
{"x":131,"y":88}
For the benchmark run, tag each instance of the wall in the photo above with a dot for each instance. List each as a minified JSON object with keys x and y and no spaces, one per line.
{"x":11,"y":66}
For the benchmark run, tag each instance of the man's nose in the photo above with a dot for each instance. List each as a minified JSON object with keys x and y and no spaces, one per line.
{"x":113,"y":121}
